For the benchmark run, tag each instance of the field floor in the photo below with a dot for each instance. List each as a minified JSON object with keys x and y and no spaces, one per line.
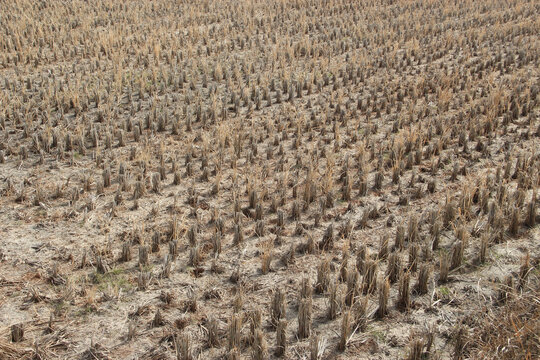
{"x":309,"y":179}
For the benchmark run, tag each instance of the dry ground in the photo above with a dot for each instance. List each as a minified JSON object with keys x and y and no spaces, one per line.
{"x":169,"y":169}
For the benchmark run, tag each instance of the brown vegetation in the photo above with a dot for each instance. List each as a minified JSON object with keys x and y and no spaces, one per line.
{"x":261,"y":179}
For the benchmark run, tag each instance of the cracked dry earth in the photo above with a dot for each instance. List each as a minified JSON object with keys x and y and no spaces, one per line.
{"x":269,"y":179}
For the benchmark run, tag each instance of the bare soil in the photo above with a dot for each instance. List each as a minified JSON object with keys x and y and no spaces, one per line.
{"x":189,"y":159}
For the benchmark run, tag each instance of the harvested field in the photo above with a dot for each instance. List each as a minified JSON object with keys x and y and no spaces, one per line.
{"x":257,"y":179}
